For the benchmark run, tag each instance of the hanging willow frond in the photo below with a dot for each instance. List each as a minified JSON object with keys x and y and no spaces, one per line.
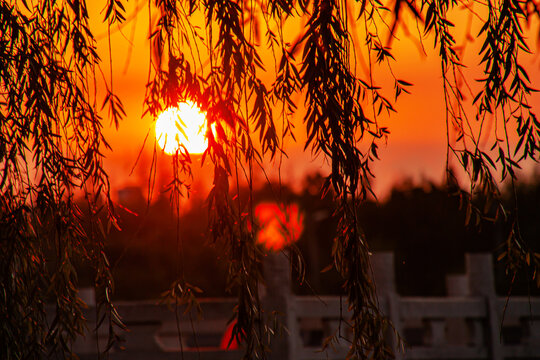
{"x":51,"y":149}
{"x":337,"y":126}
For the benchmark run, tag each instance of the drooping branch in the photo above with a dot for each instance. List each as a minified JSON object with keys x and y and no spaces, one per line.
{"x":52,"y":146}
{"x":337,"y":126}
{"x":499,"y":107}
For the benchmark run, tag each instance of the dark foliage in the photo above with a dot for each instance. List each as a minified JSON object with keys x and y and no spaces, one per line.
{"x":50,"y":149}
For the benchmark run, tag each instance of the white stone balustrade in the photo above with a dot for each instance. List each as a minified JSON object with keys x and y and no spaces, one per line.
{"x":464,"y":325}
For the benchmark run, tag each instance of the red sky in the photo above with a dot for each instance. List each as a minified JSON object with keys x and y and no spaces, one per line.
{"x":416,"y":147}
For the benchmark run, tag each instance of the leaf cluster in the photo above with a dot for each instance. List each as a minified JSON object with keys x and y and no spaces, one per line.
{"x":51,"y":145}
{"x":501,"y":107}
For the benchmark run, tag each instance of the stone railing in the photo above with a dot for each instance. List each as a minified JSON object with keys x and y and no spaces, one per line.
{"x":464,"y":325}
{"x":468,"y":323}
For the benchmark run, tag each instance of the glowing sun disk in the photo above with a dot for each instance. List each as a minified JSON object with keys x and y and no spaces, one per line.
{"x":183,"y":125}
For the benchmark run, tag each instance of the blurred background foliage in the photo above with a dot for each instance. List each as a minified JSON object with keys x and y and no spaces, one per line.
{"x":422,"y":223}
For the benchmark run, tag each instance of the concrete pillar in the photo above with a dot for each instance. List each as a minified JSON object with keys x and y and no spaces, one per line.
{"x":87,"y":344}
{"x":480,"y":273}
{"x":384,"y":277}
{"x":482,"y":283}
{"x":457,"y":285}
{"x":278,"y":301}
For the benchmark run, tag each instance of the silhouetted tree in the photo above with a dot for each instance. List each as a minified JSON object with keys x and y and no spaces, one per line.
{"x":51,"y":139}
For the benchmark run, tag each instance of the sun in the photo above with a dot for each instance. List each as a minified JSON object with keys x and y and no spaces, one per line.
{"x":279,"y":226}
{"x":182,"y":125}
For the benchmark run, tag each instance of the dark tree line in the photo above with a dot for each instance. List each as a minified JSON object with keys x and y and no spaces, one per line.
{"x":421,"y":223}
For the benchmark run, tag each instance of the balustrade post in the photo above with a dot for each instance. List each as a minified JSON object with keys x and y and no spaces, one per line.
{"x":482,"y":283}
{"x":278,"y":301}
{"x":384,"y":276}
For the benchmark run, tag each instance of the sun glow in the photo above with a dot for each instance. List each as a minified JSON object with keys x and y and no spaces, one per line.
{"x":185,"y":126}
{"x":280,"y":226}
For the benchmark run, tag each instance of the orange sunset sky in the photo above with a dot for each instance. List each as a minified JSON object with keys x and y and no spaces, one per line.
{"x":416,"y":147}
